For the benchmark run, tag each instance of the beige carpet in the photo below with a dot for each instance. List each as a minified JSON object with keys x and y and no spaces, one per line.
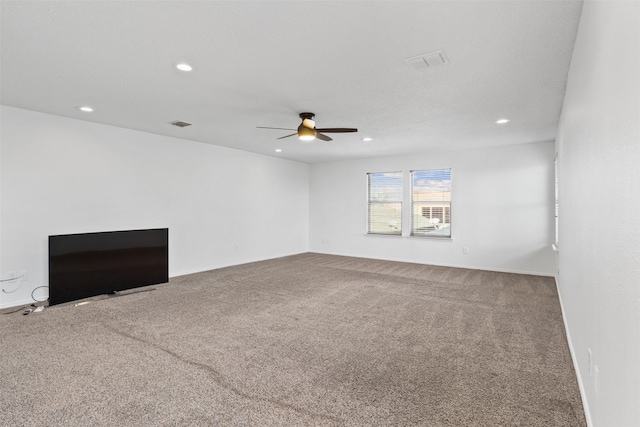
{"x":303,"y":340}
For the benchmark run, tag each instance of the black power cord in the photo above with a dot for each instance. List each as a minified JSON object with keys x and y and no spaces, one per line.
{"x":11,"y":279}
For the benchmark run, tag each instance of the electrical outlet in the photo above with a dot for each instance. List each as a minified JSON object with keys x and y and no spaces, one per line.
{"x":465,"y":250}
{"x":590,"y":361}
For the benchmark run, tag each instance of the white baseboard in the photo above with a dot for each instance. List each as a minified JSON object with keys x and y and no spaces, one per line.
{"x":583,"y":395}
{"x":173,"y":274}
{"x":468,"y":267}
{"x":16,"y":304}
{"x":231,"y":264}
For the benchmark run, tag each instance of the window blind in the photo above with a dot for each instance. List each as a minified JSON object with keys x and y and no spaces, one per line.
{"x":431,"y":203}
{"x":384,"y":203}
{"x":555,"y":171}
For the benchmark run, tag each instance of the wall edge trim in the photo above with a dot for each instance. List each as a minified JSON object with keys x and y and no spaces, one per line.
{"x":468,"y":267}
{"x":574,"y":360}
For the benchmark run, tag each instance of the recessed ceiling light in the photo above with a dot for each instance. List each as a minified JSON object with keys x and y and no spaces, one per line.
{"x":184,"y":67}
{"x":278,"y":150}
{"x":367,"y":139}
{"x":502,"y":121}
{"x":85,"y":108}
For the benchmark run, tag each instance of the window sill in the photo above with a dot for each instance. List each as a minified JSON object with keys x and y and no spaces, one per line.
{"x":442,"y":238}
{"x":434,"y":238}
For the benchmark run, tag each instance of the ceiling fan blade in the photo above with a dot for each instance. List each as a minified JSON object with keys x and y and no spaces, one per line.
{"x":287,"y":136}
{"x":264,"y":127}
{"x":337,"y":130}
{"x":323,"y":137}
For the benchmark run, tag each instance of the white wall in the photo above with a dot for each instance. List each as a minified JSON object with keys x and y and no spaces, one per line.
{"x":222,"y":206}
{"x":502,"y":209}
{"x":599,"y":244}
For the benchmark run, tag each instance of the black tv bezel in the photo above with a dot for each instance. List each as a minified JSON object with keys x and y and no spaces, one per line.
{"x":55,"y":300}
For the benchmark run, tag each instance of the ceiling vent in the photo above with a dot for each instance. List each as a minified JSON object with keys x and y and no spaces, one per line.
{"x":180,"y":124}
{"x":428,"y":60}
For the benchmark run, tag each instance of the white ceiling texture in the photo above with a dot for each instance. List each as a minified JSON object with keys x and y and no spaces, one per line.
{"x":262,"y":63}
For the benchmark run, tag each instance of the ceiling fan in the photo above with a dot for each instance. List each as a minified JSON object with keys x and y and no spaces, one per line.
{"x":307,"y":130}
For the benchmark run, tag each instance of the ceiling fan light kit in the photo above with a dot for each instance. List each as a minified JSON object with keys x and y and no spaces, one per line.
{"x":305,"y":133}
{"x":307,"y":130}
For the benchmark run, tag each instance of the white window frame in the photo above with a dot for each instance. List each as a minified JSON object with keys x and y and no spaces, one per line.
{"x":375,"y":222}
{"x":440,"y":229}
{"x":556,"y":203}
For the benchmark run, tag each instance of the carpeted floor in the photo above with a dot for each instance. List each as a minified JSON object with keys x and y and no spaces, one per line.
{"x":303,"y":340}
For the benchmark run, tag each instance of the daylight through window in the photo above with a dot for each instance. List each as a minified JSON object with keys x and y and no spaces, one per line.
{"x":431,"y":203}
{"x":384,"y":196}
{"x":555,"y":171}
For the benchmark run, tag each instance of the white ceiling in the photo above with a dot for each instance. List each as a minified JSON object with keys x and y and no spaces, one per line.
{"x":261,"y":63}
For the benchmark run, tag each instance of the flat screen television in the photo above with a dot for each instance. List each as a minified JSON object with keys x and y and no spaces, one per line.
{"x":89,"y":264}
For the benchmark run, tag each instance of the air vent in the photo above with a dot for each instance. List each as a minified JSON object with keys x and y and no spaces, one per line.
{"x":428,"y":60}
{"x":180,"y":124}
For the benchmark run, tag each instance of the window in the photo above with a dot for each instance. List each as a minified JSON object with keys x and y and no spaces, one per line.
{"x":555,"y":167}
{"x":384,"y":199}
{"x":431,"y":203}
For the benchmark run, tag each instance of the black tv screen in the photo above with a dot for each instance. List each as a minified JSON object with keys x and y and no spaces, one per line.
{"x":89,"y":264}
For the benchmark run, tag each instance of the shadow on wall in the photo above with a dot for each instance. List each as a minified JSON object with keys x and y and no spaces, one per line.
{"x":538,"y":260}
